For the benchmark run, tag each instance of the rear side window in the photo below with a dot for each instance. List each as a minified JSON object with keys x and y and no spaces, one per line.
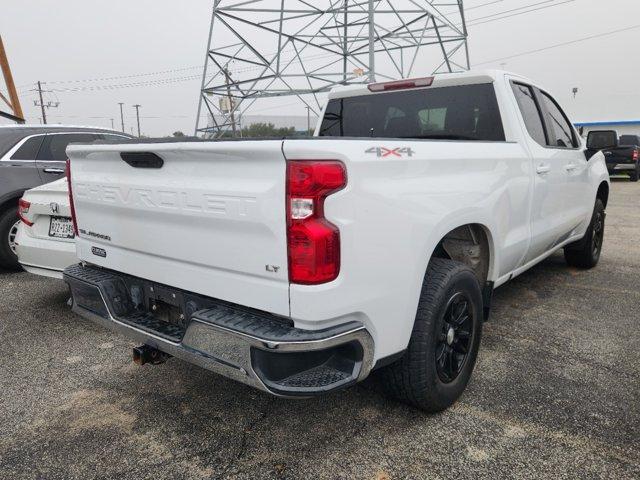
{"x":29,"y":149}
{"x":560,"y":125}
{"x":55,"y":145}
{"x":530,"y":112}
{"x":113,"y":138}
{"x":467,"y":112}
{"x":629,"y":140}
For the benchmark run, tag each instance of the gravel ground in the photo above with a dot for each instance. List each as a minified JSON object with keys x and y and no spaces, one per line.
{"x":555,"y":393}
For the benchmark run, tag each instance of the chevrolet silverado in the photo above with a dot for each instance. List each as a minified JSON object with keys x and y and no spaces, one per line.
{"x":300,"y":266}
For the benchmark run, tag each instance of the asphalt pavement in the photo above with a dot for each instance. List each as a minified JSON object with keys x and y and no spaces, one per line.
{"x":555,"y":393}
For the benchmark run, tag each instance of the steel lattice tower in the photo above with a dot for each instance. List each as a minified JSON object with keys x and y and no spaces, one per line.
{"x":259,"y":49}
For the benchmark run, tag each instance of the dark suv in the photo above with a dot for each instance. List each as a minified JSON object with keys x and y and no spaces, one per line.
{"x":31,"y":155}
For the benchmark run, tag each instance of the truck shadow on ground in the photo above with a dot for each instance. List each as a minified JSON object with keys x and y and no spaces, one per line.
{"x":179,"y":399}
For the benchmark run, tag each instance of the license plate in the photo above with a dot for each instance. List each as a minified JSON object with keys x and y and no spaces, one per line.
{"x":61,"y":227}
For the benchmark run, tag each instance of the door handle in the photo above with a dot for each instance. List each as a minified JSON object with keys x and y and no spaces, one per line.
{"x":543,"y":168}
{"x":54,"y":170}
{"x":571,"y":167}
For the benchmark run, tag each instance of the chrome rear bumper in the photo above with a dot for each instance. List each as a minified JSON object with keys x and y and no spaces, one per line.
{"x":249,"y":346}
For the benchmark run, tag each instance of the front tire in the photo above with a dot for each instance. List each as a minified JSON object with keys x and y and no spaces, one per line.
{"x":585,"y":253}
{"x":442,"y":351}
{"x":8,"y":227}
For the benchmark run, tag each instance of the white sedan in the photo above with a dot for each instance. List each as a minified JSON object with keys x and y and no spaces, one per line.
{"x":45,"y":242}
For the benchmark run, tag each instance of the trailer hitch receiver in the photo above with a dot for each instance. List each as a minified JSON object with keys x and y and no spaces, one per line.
{"x":146,"y":354}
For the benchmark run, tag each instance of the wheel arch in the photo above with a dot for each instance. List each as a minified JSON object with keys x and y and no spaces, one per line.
{"x":10,"y":200}
{"x":603,"y":193}
{"x":471,"y":244}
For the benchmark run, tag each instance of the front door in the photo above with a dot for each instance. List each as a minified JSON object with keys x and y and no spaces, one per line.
{"x":567,"y":149}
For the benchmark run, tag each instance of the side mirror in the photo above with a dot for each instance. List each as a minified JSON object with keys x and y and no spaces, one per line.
{"x":602,"y":139}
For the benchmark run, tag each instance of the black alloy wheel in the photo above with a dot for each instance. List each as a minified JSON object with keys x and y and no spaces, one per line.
{"x":454,"y":341}
{"x":597,"y":235}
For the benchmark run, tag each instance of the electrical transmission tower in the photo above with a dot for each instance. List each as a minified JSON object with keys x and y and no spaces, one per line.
{"x":261,"y":49}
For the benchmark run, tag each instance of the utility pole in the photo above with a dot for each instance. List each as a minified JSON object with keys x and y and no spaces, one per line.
{"x":44,"y":115}
{"x":121,"y":115}
{"x":14,"y":101}
{"x":137,"y":107}
{"x":112,"y":127}
{"x":43,"y":105}
{"x":308,"y":120}
{"x":227,"y":77}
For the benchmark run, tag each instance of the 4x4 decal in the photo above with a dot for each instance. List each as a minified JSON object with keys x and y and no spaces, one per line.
{"x":391,"y":152}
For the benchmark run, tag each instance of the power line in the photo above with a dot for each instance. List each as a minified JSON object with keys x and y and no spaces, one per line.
{"x":148,"y":83}
{"x":194,"y":67}
{"x":522,"y":7}
{"x":483,"y":5}
{"x":119,"y":77}
{"x":160,"y":82}
{"x":497,"y":16}
{"x":557,"y":45}
{"x":487,"y":19}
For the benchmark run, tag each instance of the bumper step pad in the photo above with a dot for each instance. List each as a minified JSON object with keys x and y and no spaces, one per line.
{"x":116,"y":293}
{"x":315,"y":377}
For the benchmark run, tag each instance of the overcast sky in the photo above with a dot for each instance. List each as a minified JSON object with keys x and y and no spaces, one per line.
{"x":66,"y":43}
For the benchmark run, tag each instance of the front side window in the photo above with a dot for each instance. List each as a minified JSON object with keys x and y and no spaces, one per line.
{"x":530,"y":112}
{"x":29,"y":149}
{"x":55,"y":146}
{"x":465,"y":112}
{"x":560,"y":125}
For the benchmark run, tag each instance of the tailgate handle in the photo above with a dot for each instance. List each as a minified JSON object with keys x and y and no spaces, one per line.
{"x":142,"y":159}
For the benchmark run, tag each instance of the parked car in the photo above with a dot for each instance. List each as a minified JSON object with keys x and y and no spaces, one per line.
{"x":300,"y":266}
{"x":45,"y":242}
{"x":621,"y":154}
{"x":31,"y":155}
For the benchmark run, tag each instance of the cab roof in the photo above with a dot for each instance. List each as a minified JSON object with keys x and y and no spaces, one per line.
{"x":469,"y":77}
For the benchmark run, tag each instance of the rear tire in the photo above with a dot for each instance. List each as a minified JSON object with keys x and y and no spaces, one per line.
{"x":8,"y":222}
{"x":633,"y":176}
{"x":585,"y":253}
{"x":442,"y":351}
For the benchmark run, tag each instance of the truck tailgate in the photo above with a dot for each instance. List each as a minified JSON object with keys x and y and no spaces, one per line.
{"x":210,"y":220}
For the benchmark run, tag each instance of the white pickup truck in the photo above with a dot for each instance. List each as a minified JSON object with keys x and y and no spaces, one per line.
{"x":299,"y":266}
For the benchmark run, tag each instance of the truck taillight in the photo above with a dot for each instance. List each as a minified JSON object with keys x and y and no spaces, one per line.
{"x":635,"y":155}
{"x":23,"y":209}
{"x":71,"y":206}
{"x":313,"y":242}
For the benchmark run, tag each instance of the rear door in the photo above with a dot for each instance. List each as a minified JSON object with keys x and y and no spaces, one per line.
{"x":18,"y":170}
{"x":52,"y":156}
{"x":548,"y":217}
